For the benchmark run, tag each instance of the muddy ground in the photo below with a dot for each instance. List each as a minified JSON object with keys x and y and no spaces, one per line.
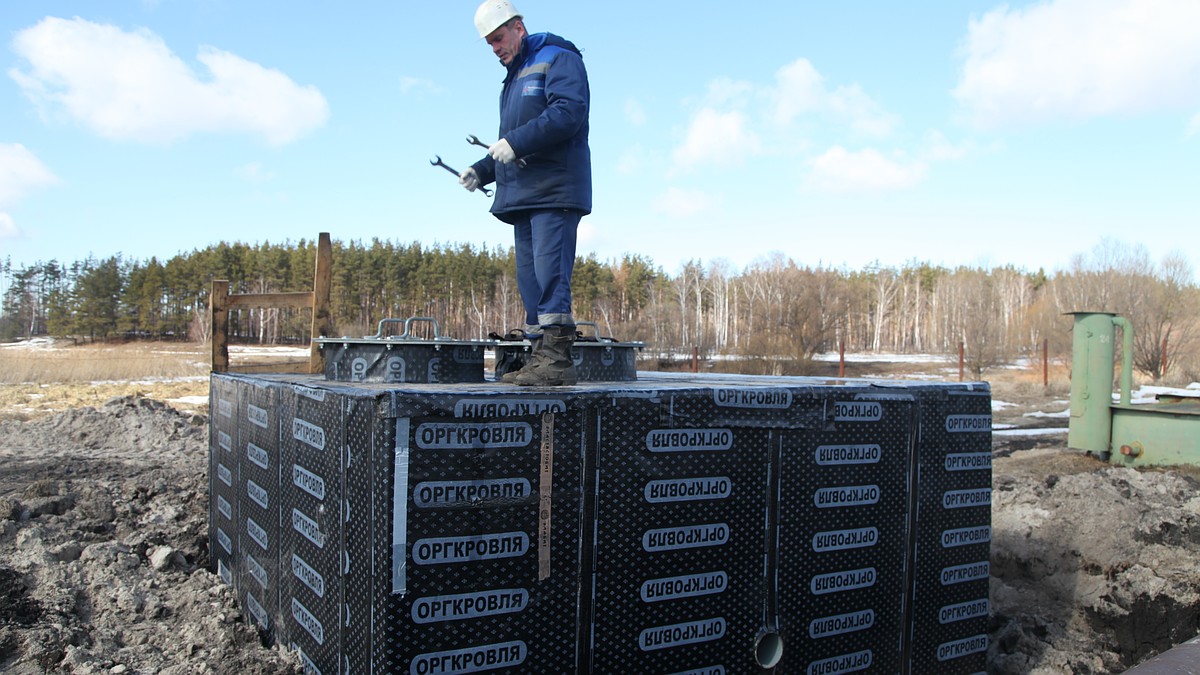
{"x":103,"y":552}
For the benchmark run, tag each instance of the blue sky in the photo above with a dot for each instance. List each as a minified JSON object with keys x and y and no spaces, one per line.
{"x":836,"y":133}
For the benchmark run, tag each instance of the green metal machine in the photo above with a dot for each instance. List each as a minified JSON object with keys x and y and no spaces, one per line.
{"x":1164,"y":432}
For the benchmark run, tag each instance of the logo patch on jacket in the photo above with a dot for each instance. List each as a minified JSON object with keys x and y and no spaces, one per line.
{"x":533,"y":89}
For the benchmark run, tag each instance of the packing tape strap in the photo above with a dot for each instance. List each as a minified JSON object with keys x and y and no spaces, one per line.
{"x":545,"y":490}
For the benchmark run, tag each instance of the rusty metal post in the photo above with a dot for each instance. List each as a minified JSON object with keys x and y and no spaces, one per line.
{"x":322,"y":324}
{"x":1045,"y":362}
{"x":695,"y":359}
{"x":218,"y":316}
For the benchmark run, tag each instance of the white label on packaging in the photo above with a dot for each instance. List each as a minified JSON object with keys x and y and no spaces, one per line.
{"x":394,"y":368}
{"x":964,"y":536}
{"x":224,"y":474}
{"x":762,"y":399}
{"x":470,"y":659}
{"x":963,"y":647}
{"x":840,"y":540}
{"x":469,"y":605}
{"x":960,"y":499}
{"x":224,"y":407}
{"x":844,"y":455}
{"x":224,"y":508}
{"x":445,"y":493}
{"x":258,"y":456}
{"x":258,"y":534}
{"x":687,"y":489}
{"x":308,"y":576}
{"x":308,"y":622}
{"x":224,"y":540}
{"x":963,"y":611}
{"x":309,"y":392}
{"x":709,"y":670}
{"x":463,"y":354}
{"x":225,"y":441}
{"x":308,"y":528}
{"x":257,"y":493}
{"x":443,"y":550}
{"x":686,"y":586}
{"x":689,"y":440}
{"x":841,"y":624}
{"x":444,"y":436}
{"x":958,"y":574}
{"x":400,"y":508}
{"x":857,"y":411}
{"x":846,"y":495}
{"x":258,"y":416}
{"x":848,"y":580}
{"x":257,"y":611}
{"x":965,"y":423}
{"x":257,"y":571}
{"x":845,"y":663}
{"x":507,"y":407}
{"x":676,"y":635}
{"x":969,"y":461}
{"x":308,"y":481}
{"x":224,"y":573}
{"x":685,"y":536}
{"x":308,"y":433}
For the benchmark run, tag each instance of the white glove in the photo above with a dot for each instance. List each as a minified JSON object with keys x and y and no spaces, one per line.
{"x":469,"y":179}
{"x":502,"y":152}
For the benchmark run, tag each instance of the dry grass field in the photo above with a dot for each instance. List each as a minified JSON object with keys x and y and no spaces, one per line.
{"x":43,"y":376}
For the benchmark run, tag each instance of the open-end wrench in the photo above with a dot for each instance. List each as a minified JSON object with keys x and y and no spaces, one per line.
{"x":437,"y":161}
{"x":474,"y":140}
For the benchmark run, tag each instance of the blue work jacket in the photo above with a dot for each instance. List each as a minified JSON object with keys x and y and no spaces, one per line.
{"x":544,"y":116}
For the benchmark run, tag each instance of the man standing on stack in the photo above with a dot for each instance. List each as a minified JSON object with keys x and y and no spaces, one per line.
{"x":542,"y":168}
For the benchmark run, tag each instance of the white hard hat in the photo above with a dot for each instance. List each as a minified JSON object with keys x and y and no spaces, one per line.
{"x":493,"y":14}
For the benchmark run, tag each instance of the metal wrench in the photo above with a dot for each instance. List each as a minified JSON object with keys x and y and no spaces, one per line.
{"x":437,"y":161}
{"x":474,"y":140}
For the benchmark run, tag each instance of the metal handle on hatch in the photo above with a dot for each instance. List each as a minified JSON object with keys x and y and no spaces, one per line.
{"x":595,"y":331}
{"x":407,"y":323}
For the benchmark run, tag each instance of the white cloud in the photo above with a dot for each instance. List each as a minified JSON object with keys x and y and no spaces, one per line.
{"x":130,"y":86}
{"x":722,"y":138}
{"x":418,"y":87}
{"x":8,"y":229}
{"x":678,"y":203}
{"x":20,"y":173}
{"x":253,"y":172}
{"x":839,"y":170}
{"x":1075,"y":59}
{"x":733,"y":115}
{"x":801,"y":90}
{"x":939,"y":148}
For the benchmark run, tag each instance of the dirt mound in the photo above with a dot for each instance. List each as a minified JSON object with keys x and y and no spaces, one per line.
{"x":103,"y":554}
{"x":1093,"y":566}
{"x":104,"y":545}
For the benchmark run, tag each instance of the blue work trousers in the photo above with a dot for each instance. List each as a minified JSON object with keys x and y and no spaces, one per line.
{"x":545,"y":245}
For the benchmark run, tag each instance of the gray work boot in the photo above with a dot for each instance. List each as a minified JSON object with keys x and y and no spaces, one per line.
{"x":535,"y":345}
{"x":553,"y":364}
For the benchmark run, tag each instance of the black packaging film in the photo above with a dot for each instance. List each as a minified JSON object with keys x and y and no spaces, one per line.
{"x":675,"y":524}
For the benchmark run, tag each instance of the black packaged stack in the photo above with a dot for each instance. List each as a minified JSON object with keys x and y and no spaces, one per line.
{"x":953,"y":531}
{"x":677,"y":524}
